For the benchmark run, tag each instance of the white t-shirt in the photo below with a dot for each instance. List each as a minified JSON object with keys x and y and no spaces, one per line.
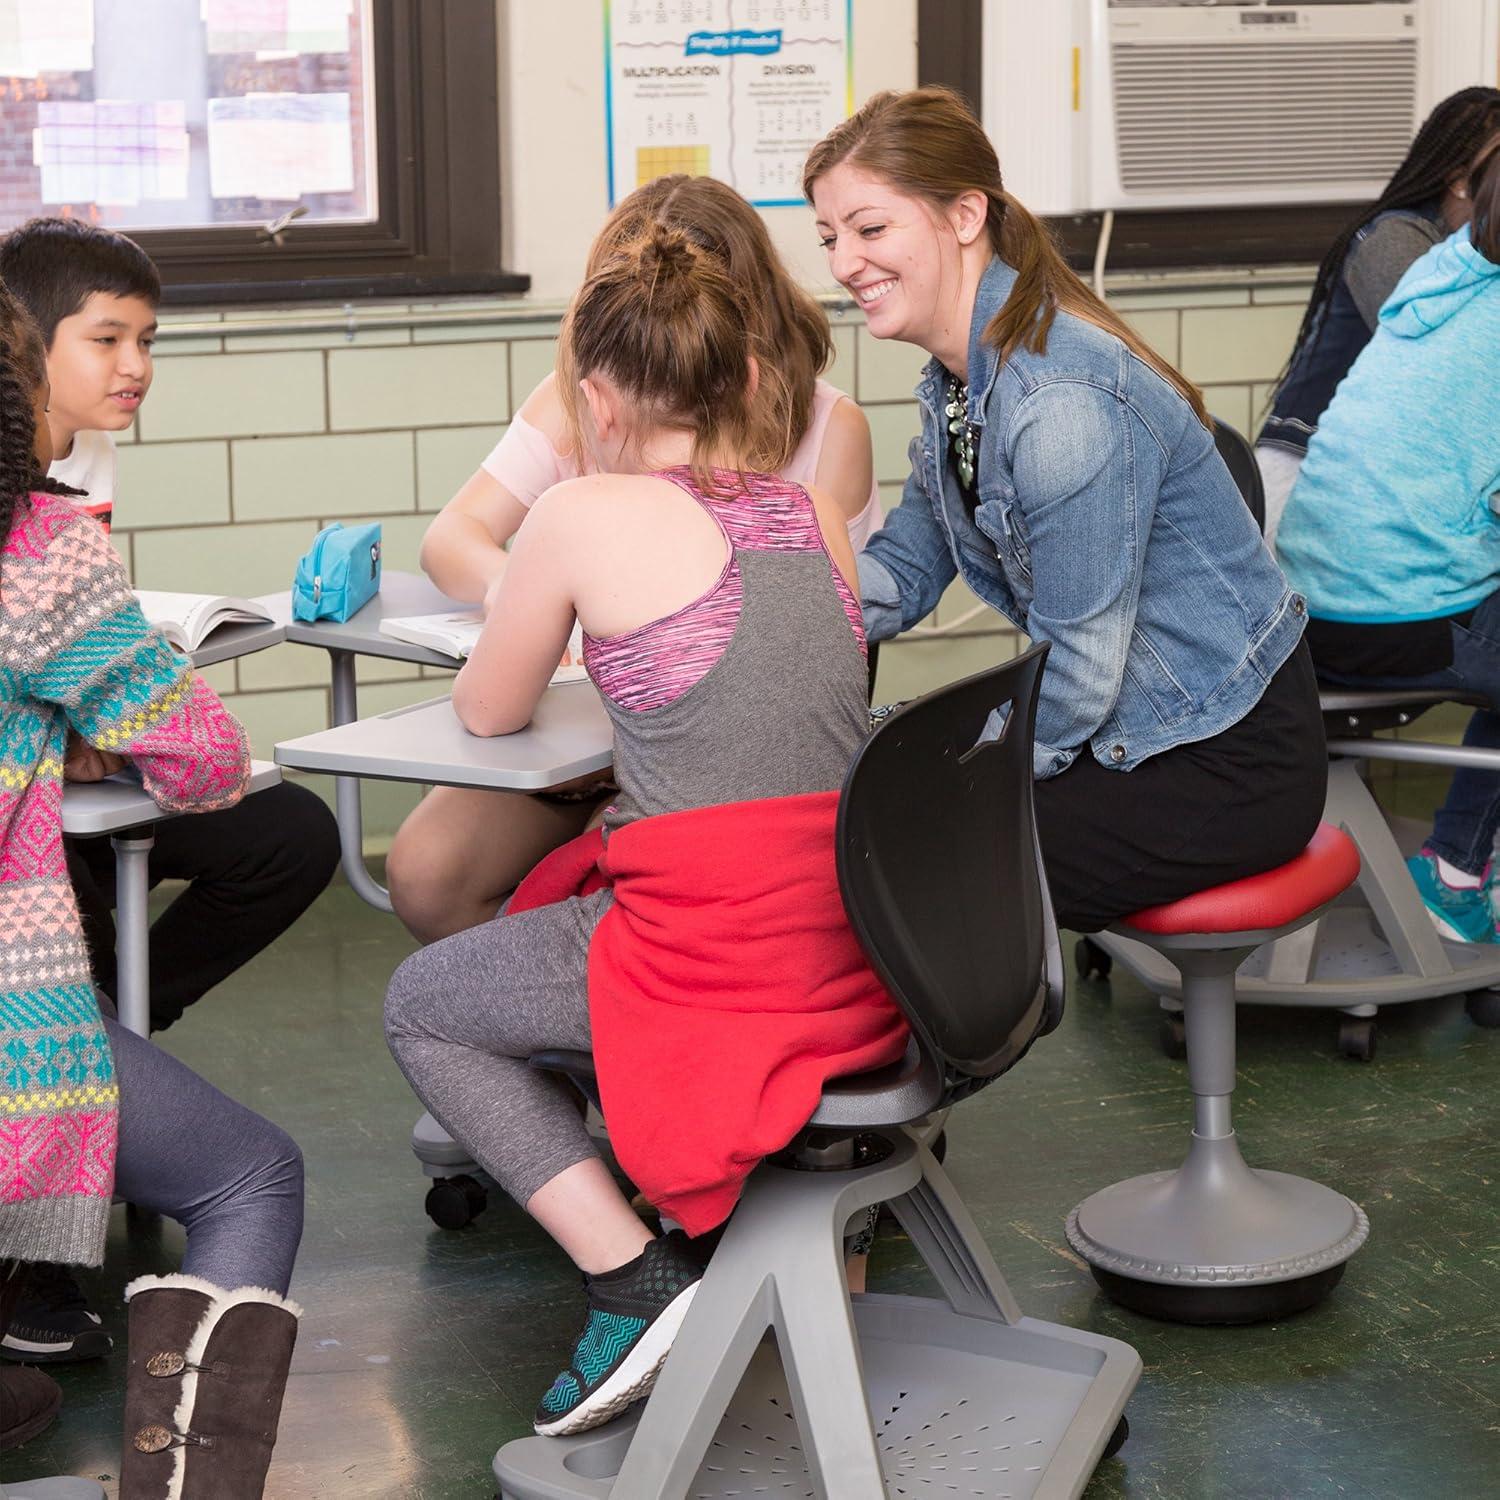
{"x":527,"y":464}
{"x":90,"y":467}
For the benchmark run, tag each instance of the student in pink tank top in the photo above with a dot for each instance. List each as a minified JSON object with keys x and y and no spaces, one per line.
{"x":461,"y":852}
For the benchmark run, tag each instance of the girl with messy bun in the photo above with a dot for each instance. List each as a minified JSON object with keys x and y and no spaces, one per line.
{"x":704,"y":923}
{"x":461,"y":851}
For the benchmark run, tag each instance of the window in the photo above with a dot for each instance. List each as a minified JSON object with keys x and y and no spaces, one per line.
{"x":274,"y":148}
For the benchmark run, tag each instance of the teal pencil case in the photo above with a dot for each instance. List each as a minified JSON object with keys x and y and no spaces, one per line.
{"x":339,"y":574}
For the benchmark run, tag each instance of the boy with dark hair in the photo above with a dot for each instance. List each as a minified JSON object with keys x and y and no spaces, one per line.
{"x":253,"y":869}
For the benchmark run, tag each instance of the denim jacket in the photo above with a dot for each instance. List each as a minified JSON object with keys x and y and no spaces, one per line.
{"x":1108,"y":525}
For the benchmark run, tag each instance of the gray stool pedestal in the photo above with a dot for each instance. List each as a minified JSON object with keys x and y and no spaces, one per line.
{"x":1215,"y":1241}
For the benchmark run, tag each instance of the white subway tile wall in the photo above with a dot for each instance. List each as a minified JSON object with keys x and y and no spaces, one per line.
{"x":248,"y":443}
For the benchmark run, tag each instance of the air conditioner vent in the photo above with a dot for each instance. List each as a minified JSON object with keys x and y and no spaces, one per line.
{"x":1261,"y":115}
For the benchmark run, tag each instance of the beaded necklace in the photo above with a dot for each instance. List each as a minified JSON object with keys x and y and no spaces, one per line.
{"x":957,"y":412}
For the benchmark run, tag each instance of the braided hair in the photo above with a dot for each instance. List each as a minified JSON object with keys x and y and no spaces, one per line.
{"x":1449,"y":140}
{"x":23,"y":369}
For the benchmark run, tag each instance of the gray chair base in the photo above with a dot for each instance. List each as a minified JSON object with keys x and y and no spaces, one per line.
{"x":1376,"y":946}
{"x":52,"y":1489}
{"x":1215,"y":1241}
{"x":856,"y":1397}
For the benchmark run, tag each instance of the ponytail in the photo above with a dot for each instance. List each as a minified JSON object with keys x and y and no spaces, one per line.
{"x":926,"y":143}
{"x":23,"y":368}
{"x":665,"y":322}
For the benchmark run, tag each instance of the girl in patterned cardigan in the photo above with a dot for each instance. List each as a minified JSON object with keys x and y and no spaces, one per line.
{"x":88,"y":1110}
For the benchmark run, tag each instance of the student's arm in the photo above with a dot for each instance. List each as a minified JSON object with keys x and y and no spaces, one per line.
{"x":835,"y":528}
{"x":1087,"y":473}
{"x":846,"y":464}
{"x":528,"y":624}
{"x":1379,"y":260}
{"x":907,"y":563}
{"x":123,"y":689}
{"x":463,"y":551}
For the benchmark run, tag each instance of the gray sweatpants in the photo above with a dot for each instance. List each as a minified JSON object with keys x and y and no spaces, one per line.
{"x":462,"y":1017}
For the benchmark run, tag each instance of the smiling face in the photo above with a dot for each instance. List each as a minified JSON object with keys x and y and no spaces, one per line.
{"x":911,"y":266}
{"x":100,"y":366}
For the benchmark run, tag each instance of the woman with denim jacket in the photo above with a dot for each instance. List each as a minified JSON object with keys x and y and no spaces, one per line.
{"x":1069,"y":476}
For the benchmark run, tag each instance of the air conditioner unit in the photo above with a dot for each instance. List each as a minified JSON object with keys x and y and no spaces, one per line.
{"x":1118,"y":104}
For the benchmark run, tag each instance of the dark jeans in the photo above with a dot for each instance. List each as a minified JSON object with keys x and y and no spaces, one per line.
{"x":230,"y":1178}
{"x":1464,"y":830}
{"x":252,"y":870}
{"x":1195,"y":816}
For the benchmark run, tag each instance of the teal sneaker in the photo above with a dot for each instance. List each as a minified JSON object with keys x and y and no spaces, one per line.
{"x":632,"y":1320}
{"x":1460,"y":915}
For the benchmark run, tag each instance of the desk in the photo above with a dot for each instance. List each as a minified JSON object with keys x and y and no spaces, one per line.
{"x":400,"y":594}
{"x":569,"y":735}
{"x":120,"y":807}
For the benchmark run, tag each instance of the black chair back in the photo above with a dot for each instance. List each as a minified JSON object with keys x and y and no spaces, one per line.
{"x":1239,"y":459}
{"x":942,"y":877}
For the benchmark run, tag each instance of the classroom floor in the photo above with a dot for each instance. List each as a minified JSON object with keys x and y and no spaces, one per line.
{"x":422,"y":1350}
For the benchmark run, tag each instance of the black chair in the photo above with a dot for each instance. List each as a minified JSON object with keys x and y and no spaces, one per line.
{"x":941,"y":875}
{"x":1239,"y":459}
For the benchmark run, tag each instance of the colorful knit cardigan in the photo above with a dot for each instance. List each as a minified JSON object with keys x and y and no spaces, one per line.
{"x":75,"y":651}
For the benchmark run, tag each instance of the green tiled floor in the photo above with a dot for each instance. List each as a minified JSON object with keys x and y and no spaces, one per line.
{"x":421,"y":1350}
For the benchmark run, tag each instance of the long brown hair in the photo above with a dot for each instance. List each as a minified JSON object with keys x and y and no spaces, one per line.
{"x":23,"y":368}
{"x":668,"y":324}
{"x":926,"y":143}
{"x":789,"y":332}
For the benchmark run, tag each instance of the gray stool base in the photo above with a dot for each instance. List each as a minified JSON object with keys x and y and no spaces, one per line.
{"x":52,"y":1489}
{"x":1215,"y":1241}
{"x":854,"y":1397}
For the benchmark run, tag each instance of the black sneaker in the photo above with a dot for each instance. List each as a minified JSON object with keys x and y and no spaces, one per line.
{"x":634,"y":1314}
{"x":52,"y":1322}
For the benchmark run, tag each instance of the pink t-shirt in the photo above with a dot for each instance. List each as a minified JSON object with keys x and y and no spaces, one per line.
{"x":527,"y":464}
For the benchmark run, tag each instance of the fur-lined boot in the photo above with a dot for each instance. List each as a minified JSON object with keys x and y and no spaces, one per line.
{"x":203,"y":1393}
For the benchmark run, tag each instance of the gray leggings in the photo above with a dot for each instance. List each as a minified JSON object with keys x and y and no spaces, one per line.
{"x":230,"y":1178}
{"x":462,"y":1017}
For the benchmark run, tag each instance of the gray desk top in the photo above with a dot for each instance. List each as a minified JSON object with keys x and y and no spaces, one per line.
{"x":229,"y":641}
{"x":400,"y":594}
{"x":569,"y":736}
{"x":98,"y":807}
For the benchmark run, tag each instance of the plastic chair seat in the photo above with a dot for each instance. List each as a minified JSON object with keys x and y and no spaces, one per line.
{"x":1328,"y":866}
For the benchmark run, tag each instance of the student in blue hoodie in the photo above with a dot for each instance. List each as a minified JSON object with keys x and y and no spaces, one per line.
{"x":1393,"y":528}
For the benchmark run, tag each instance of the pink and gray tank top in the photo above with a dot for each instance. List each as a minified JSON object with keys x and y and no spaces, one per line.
{"x":755,"y":689}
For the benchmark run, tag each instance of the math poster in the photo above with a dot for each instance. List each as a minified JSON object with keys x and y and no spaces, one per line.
{"x":734,"y":89}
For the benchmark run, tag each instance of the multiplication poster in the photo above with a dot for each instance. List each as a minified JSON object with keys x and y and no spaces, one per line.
{"x":734,"y":89}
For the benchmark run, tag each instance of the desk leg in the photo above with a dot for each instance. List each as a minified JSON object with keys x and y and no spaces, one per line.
{"x":133,"y":928}
{"x":346,"y":792}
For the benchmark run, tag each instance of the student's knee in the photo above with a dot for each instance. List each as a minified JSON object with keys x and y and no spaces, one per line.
{"x":407,"y":999}
{"x":419,"y":877}
{"x":314,"y":847}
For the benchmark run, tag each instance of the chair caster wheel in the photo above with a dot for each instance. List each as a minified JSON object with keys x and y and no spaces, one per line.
{"x":1173,"y":1035}
{"x":1357,"y":1038}
{"x":1483,"y":1007}
{"x":453,"y":1202}
{"x":1090,"y":960}
{"x":1116,"y":1439}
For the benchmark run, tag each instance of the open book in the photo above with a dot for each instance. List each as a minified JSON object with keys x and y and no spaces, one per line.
{"x":187,"y":619}
{"x":455,"y":635}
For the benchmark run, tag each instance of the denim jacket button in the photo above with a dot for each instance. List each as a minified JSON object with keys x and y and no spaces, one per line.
{"x":1117,"y":753}
{"x":1299,"y":605}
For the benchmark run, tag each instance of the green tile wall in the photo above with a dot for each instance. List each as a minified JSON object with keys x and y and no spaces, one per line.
{"x":249,"y":442}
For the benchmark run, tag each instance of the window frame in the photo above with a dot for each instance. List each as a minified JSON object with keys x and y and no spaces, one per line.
{"x":950,"y":39}
{"x":435,"y":69}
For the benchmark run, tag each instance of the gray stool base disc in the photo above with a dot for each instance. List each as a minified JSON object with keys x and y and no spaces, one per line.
{"x":1217,"y":1227}
{"x":955,"y":1400}
{"x":52,"y":1489}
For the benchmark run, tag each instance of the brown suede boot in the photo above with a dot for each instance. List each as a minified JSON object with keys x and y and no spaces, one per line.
{"x":203,"y":1392}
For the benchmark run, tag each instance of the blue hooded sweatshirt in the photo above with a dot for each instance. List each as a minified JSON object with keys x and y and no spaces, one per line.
{"x":1393,"y":515}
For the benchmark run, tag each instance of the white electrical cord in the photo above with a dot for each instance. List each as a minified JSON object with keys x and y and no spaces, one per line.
{"x":1101,"y":250}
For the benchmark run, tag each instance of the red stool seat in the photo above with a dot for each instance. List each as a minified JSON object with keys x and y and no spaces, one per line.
{"x":1328,"y":865}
